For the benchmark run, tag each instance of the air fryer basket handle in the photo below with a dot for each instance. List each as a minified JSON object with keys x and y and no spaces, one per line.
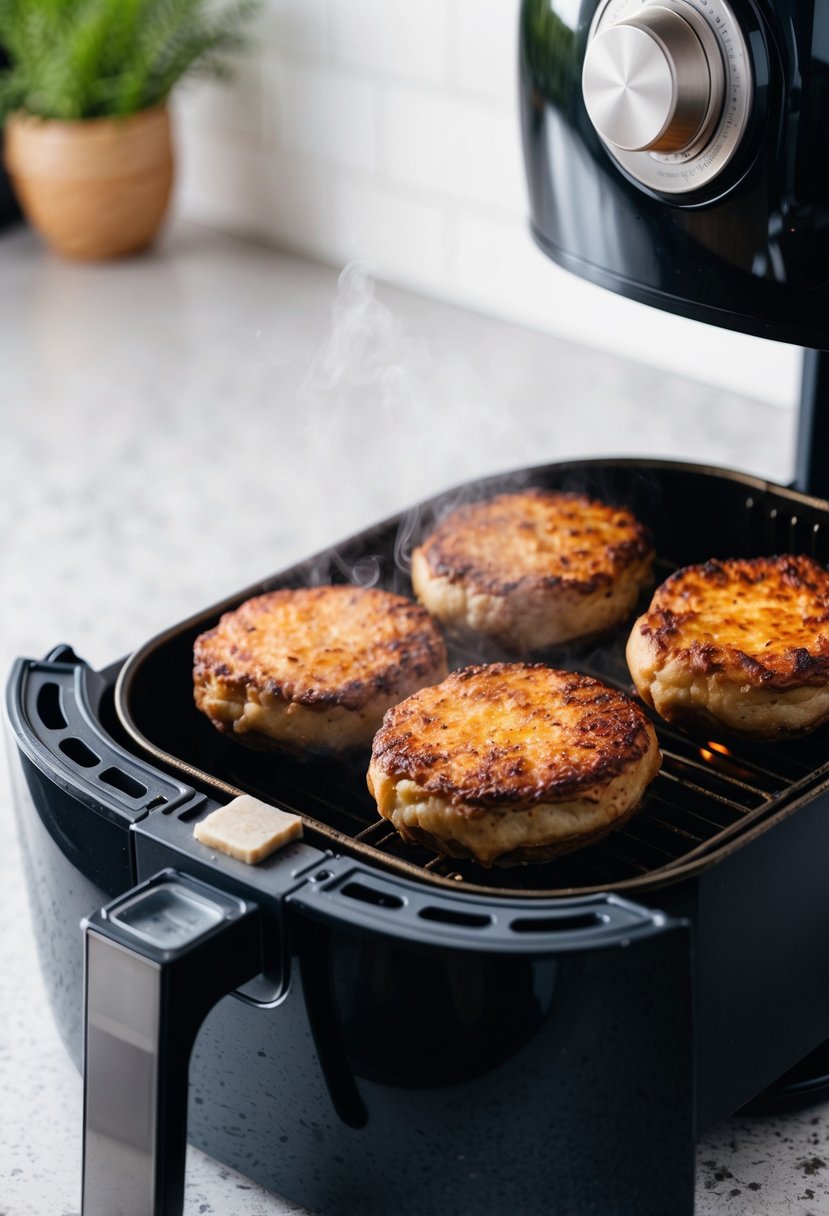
{"x":53,"y":710}
{"x":157,"y":960}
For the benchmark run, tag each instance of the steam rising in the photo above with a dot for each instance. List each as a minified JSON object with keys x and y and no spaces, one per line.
{"x":364,"y":355}
{"x":377,"y":439}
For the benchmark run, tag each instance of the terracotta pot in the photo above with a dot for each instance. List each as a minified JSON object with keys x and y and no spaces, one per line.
{"x":95,"y":188}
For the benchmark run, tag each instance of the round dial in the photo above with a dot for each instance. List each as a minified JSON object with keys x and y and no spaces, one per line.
{"x":648,"y":82}
{"x":667,"y":87}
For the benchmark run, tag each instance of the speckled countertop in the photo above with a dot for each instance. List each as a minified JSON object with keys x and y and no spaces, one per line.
{"x":175,"y":427}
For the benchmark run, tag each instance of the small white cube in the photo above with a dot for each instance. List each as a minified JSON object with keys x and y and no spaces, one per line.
{"x":248,"y":829}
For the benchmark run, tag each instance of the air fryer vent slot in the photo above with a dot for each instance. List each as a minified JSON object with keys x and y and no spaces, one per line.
{"x":122,"y":781}
{"x":372,"y":895}
{"x":77,"y":751}
{"x":453,"y":916}
{"x":558,"y":924}
{"x":49,"y":708}
{"x":777,"y":531}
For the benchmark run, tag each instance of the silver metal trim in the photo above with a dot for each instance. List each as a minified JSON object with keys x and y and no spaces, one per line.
{"x":718,"y":135}
{"x":123,"y":997}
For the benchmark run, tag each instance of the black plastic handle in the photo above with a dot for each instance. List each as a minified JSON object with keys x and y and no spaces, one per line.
{"x":157,"y":960}
{"x":53,"y":708}
{"x":345,"y":892}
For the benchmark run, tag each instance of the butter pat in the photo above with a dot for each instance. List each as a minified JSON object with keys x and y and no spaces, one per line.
{"x":248,"y":829}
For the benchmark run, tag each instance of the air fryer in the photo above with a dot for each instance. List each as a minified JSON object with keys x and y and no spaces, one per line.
{"x":676,"y":154}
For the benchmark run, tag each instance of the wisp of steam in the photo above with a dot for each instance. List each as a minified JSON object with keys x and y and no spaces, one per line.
{"x":376,"y":439}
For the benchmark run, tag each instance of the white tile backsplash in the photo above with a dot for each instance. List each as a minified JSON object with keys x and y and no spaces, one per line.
{"x":403,"y":238}
{"x":276,"y":197}
{"x":498,"y":263}
{"x":396,"y":38}
{"x":486,"y":48}
{"x":322,"y":115}
{"x":221,"y":182}
{"x":388,"y":131}
{"x":300,"y":26}
{"x":233,"y":108}
{"x":455,"y":147}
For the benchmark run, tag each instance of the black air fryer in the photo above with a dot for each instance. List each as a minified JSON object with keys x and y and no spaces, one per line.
{"x":677,"y":153}
{"x":358,"y":1023}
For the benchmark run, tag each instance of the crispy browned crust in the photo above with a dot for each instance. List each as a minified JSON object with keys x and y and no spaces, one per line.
{"x":762,"y":622}
{"x":511,"y":735}
{"x":320,"y":647}
{"x":536,"y":536}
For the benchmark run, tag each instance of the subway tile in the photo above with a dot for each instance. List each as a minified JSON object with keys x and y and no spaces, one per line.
{"x":322,"y":114}
{"x":456,"y":147}
{"x":498,"y":264}
{"x":232,"y":107}
{"x":269,"y":196}
{"x":300,"y":211}
{"x":301,"y":26}
{"x":404,"y":40}
{"x":221,"y":183}
{"x":406,"y":240}
{"x":487,"y":42}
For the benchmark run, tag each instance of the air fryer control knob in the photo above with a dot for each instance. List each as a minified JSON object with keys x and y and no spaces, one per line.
{"x":655,"y":81}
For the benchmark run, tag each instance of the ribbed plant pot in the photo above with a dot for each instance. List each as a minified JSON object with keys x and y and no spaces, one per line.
{"x":95,"y":188}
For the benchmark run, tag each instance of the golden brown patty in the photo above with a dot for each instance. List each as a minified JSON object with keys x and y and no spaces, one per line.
{"x":742,"y":644}
{"x":314,"y":667}
{"x":511,"y":762}
{"x":533,"y":569}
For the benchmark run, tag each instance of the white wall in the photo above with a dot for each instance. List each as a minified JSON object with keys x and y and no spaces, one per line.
{"x":387,"y":130}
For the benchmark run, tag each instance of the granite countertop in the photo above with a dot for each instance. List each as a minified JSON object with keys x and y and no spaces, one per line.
{"x":177,"y":426}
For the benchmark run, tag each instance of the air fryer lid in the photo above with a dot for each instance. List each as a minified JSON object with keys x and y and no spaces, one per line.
{"x":675,"y":153}
{"x":709,"y":796}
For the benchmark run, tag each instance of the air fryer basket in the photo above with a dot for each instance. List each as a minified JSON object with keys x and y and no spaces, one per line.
{"x":709,"y":794}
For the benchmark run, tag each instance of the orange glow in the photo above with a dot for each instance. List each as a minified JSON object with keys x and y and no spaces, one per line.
{"x":723,"y":761}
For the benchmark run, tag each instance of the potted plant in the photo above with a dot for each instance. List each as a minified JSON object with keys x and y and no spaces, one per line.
{"x":88,"y":143}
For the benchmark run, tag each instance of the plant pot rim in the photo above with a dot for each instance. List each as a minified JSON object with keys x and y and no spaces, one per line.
{"x":22,"y":118}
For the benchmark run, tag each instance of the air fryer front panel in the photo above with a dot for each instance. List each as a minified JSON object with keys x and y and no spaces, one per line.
{"x":706,"y":193}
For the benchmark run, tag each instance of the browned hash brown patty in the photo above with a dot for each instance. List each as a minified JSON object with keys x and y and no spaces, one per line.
{"x":315,"y":667}
{"x":512,"y":762}
{"x":533,"y":568}
{"x":743,"y":641}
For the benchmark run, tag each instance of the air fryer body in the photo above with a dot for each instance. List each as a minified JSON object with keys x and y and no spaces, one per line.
{"x":393,"y":1073}
{"x":749,"y":249}
{"x":397,"y":1067}
{"x":413,"y":1051}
